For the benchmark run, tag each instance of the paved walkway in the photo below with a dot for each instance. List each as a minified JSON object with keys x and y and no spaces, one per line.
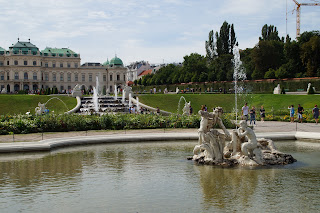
{"x":268,"y":126}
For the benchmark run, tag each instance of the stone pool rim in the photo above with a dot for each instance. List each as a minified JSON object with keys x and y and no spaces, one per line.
{"x":51,"y":144}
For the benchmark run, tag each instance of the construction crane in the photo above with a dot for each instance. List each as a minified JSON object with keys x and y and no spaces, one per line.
{"x":298,"y":13}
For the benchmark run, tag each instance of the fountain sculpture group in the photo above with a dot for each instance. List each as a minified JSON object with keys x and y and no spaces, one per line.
{"x":219,"y":147}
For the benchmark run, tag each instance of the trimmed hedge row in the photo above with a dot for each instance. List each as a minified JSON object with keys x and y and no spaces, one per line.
{"x":23,"y":124}
{"x":260,"y":87}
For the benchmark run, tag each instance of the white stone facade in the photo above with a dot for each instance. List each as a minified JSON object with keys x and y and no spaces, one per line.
{"x":33,"y":70}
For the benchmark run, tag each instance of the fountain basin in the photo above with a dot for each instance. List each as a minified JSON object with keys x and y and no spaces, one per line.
{"x":50,"y":144}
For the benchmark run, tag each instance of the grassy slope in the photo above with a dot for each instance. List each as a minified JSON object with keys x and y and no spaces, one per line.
{"x":169,"y":102}
{"x":20,"y":104}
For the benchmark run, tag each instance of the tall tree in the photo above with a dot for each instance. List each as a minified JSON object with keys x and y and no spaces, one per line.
{"x":310,"y":55}
{"x":210,"y":47}
{"x":225,"y":41}
{"x":269,"y":33}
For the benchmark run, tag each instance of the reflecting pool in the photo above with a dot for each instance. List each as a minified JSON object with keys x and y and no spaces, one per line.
{"x":155,"y":177}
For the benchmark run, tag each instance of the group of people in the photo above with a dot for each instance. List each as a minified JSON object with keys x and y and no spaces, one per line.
{"x":315,"y":113}
{"x":252,"y":112}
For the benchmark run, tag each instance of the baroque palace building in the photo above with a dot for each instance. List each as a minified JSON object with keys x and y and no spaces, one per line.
{"x":25,"y":67}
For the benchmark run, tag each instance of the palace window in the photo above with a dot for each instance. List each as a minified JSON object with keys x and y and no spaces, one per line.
{"x":110,"y":77}
{"x":76,"y":77}
{"x":61,"y":76}
{"x":61,"y":64}
{"x":16,"y":76}
{"x":54,"y":77}
{"x":90,"y":77}
{"x":15,"y":62}
{"x":46,"y":77}
{"x":104,"y":78}
{"x":69,"y":76}
{"x":35,"y":77}
{"x":53,"y":65}
{"x":68,"y":65}
{"x":25,"y":63}
{"x":76,"y":65}
{"x":124,"y":77}
{"x":2,"y":76}
{"x":34,"y":63}
{"x":46,"y":65}
{"x":83,"y":77}
{"x":118,"y":77}
{"x":25,"y":76}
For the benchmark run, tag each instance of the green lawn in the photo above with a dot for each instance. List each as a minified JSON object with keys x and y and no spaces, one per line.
{"x":169,"y":102}
{"x":20,"y":104}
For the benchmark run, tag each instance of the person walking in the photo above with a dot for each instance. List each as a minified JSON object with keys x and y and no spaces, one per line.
{"x":245,"y":112}
{"x":315,"y":112}
{"x":253,"y":115}
{"x":262,"y":113}
{"x":300,"y":112}
{"x":291,"y":113}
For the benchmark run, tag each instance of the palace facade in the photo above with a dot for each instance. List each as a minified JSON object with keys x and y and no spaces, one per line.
{"x":25,"y":67}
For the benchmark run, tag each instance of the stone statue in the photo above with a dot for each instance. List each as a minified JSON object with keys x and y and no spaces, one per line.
{"x":3,"y":91}
{"x":77,"y":91}
{"x":243,"y":147}
{"x":177,"y":90}
{"x":249,"y":148}
{"x":186,"y":108}
{"x":277,"y":90}
{"x":211,"y":141}
{"x":40,"y":109}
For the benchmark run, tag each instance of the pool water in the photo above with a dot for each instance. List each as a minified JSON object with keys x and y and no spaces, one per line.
{"x":155,"y":177}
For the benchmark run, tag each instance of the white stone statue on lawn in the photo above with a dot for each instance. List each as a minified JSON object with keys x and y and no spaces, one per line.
{"x":186,"y":108}
{"x":77,"y":91}
{"x":40,"y":109}
{"x":177,"y":90}
{"x":277,"y":90}
{"x":3,"y":91}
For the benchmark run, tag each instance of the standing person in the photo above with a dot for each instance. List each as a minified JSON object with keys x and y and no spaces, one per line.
{"x":300,"y":112}
{"x":190,"y":110}
{"x":315,"y":112}
{"x":262,"y":113}
{"x":205,"y":108}
{"x":253,"y":115}
{"x":291,"y":113}
{"x":245,"y":112}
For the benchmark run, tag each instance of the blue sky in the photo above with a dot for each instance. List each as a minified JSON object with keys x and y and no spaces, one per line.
{"x":152,"y":30}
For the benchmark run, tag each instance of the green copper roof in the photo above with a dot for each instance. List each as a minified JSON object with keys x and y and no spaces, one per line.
{"x":57,"y":50}
{"x":106,"y":63}
{"x":116,"y":61}
{"x":2,"y":50}
{"x":24,"y":47}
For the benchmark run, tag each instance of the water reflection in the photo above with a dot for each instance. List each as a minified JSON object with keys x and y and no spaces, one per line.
{"x":149,"y":176}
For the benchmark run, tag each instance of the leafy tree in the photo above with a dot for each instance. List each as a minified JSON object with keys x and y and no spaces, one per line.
{"x":266,"y":55}
{"x":269,"y":33}
{"x":270,"y":74}
{"x":203,"y":77}
{"x":210,"y":47}
{"x":310,"y":55}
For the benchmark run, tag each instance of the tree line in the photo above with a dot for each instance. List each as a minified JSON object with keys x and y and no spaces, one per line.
{"x":271,"y":58}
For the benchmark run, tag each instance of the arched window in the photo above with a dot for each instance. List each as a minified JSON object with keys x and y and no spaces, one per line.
{"x":16,"y":87}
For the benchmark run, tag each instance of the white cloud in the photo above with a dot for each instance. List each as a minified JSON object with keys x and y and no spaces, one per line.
{"x":142,"y":29}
